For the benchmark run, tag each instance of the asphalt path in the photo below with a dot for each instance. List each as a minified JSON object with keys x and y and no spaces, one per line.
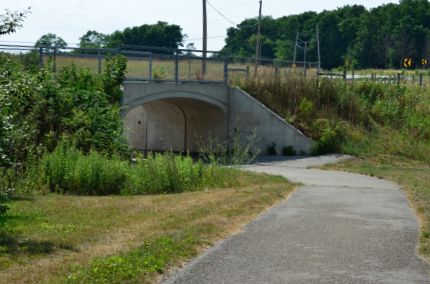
{"x":337,"y":227}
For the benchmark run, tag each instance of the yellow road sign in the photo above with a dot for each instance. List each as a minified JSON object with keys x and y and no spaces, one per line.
{"x":424,"y":61}
{"x":407,"y":62}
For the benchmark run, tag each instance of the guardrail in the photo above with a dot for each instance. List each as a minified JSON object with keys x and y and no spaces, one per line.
{"x":419,"y":78}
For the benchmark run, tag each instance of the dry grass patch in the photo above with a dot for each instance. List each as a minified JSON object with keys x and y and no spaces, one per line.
{"x":189,"y":69}
{"x":55,"y":238}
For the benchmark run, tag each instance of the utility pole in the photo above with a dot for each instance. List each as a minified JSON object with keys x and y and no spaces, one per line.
{"x":257,"y":48}
{"x":304,"y":57}
{"x":318,"y":47}
{"x":205,"y":40}
{"x":295,"y":48}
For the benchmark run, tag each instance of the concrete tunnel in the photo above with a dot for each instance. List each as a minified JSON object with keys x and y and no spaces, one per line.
{"x":174,"y":124}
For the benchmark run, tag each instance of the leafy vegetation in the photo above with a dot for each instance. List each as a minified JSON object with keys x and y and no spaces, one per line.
{"x":241,"y":151}
{"x":341,"y":117}
{"x":352,"y":35}
{"x":160,"y":34}
{"x":92,"y":39}
{"x":11,"y":21}
{"x":49,"y":42}
{"x":288,"y":151}
{"x":68,"y":170}
{"x":271,"y":149}
{"x":39,"y":109}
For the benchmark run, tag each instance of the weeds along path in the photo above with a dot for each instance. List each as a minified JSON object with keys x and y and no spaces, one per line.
{"x":337,"y":227}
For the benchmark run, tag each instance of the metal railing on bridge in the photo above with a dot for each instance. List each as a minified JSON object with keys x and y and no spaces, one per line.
{"x":162,"y":64}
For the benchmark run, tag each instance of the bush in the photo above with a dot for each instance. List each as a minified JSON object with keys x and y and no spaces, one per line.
{"x":3,"y":199}
{"x":159,"y":73}
{"x":38,"y":107}
{"x":288,"y":151}
{"x":271,"y":149}
{"x":331,"y":138}
{"x":68,"y":170}
{"x":165,"y":174}
{"x":6,"y":188}
{"x":241,"y":151}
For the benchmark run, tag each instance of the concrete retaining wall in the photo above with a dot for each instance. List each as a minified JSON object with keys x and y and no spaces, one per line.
{"x":248,"y":115}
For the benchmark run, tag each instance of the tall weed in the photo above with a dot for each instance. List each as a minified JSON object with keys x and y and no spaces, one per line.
{"x":323,"y":109}
{"x":68,"y":170}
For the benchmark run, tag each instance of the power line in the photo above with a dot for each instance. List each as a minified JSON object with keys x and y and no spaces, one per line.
{"x":205,"y":38}
{"x":221,"y":14}
{"x":197,"y":38}
{"x":128,"y":15}
{"x":109,"y":17}
{"x":228,"y":19}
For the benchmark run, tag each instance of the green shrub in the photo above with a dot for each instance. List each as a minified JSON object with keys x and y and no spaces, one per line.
{"x":37,"y":109}
{"x":241,"y":151}
{"x":306,"y":108}
{"x":152,"y":256}
{"x":288,"y":151}
{"x":4,"y":195}
{"x":271,"y":149}
{"x":159,"y":73}
{"x":165,"y":174}
{"x":6,"y":188}
{"x":320,"y":108}
{"x":67,"y":170}
{"x":331,"y":138}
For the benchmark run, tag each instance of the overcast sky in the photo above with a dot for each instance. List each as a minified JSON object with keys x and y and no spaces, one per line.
{"x":70,"y":19}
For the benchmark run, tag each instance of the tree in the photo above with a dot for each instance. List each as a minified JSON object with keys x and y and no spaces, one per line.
{"x":190,"y":47}
{"x":50,"y":42}
{"x":160,"y":34}
{"x":377,"y":38}
{"x":92,"y":39}
{"x":284,"y":49}
{"x":9,"y":23}
{"x":12,"y":20}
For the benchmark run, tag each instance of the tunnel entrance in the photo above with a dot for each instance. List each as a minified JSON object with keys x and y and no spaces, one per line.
{"x":174,"y":124}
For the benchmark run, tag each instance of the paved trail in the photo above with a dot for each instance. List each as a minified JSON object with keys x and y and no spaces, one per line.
{"x":337,"y":228}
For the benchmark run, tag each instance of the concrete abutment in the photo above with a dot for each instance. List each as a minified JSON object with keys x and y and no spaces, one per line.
{"x":178,"y":117}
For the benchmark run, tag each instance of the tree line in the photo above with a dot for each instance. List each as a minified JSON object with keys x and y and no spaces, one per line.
{"x":160,"y":34}
{"x":366,"y":38}
{"x":351,"y":35}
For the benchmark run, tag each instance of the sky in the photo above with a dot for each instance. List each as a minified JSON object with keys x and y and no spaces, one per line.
{"x":70,"y":19}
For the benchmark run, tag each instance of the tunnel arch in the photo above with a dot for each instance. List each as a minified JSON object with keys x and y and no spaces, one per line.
{"x":177,"y":94}
{"x":174,"y":122}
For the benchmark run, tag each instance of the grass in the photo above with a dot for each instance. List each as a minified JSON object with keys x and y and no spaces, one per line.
{"x":412,"y":175}
{"x":68,"y":170}
{"x":112,"y":239}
